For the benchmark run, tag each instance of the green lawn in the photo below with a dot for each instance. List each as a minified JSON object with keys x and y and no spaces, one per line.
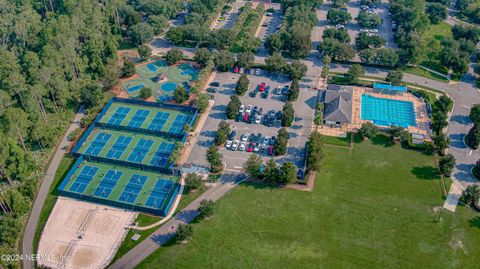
{"x":372,"y":207}
{"x":65,"y":164}
{"x":424,"y":73}
{"x":438,"y":31}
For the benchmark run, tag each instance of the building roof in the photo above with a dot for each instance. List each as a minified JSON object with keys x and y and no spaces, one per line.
{"x":338,"y":104}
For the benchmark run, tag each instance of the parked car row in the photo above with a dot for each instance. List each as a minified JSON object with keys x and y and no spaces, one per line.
{"x":249,"y":114}
{"x":249,"y":71}
{"x":265,"y":91}
{"x":251,"y":143}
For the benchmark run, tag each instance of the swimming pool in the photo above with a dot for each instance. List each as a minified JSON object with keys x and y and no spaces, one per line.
{"x":387,"y":112}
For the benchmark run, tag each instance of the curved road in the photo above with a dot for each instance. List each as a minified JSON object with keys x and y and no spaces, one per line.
{"x":31,"y":227}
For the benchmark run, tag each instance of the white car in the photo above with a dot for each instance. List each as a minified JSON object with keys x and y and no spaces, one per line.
{"x":258,"y":119}
{"x":248,"y":109}
{"x":228,"y":144}
{"x":235,"y":145}
{"x":257,"y":71}
{"x":244,"y":137}
{"x":242,"y":146}
{"x":241,"y":71}
{"x":242,"y":108}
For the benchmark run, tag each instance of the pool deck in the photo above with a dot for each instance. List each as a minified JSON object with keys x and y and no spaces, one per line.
{"x":421,"y":114}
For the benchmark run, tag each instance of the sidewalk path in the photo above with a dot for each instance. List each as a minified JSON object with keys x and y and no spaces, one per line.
{"x":31,"y":227}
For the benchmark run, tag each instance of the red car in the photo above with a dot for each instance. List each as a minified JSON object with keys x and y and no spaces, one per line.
{"x":245,"y":117}
{"x":237,"y":69}
{"x":262,"y":86}
{"x":270,"y":151}
{"x":250,"y":147}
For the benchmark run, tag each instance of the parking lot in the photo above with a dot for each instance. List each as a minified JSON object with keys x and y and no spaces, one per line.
{"x":228,"y":20}
{"x":269,"y":26}
{"x":299,"y":132}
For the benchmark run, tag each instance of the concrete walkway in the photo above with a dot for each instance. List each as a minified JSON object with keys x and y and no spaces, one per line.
{"x":31,"y":227}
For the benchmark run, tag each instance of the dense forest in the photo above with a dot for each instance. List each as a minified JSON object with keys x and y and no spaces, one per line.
{"x":56,"y":55}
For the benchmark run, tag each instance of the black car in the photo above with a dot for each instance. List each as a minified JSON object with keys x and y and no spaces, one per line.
{"x":270,"y":122}
{"x":285,"y":90}
{"x":211,"y":90}
{"x":215,"y":84}
{"x":253,"y":93}
{"x":300,"y":174}
{"x":240,"y":116}
{"x":260,"y":111}
{"x":278,"y":116}
{"x":272,"y":140}
{"x":251,"y":117}
{"x":255,"y":109}
{"x":232,"y":135}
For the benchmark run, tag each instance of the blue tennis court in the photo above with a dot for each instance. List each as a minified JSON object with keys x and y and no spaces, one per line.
{"x":133,"y":188}
{"x":97,"y":145}
{"x":108,"y":183}
{"x":165,"y":98}
{"x":138,"y":118}
{"x":83,"y":179}
{"x":119,"y":147}
{"x":159,"y":193}
{"x":152,"y":67}
{"x":162,"y":155}
{"x":119,"y":115}
{"x":140,"y":151}
{"x":135,"y":88}
{"x":178,"y":123}
{"x":159,"y":120}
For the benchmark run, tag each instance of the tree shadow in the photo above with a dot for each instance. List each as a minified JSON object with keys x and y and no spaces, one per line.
{"x":474,"y":222}
{"x":382,"y":140}
{"x":425,"y":172}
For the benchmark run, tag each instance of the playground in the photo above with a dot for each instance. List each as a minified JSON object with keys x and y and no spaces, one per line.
{"x":161,"y":78}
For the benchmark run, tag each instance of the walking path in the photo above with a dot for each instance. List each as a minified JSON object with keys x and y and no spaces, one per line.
{"x":31,"y":227}
{"x":167,"y":231}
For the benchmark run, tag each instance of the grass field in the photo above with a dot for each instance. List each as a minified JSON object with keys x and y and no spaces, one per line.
{"x":438,"y":31}
{"x":372,"y":207}
{"x":149,"y":118}
{"x":424,"y":73}
{"x":125,"y":155}
{"x":62,"y":170}
{"x":122,"y":182}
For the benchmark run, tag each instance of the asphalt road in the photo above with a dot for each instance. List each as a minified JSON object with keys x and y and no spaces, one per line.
{"x":31,"y":227}
{"x":167,"y":231}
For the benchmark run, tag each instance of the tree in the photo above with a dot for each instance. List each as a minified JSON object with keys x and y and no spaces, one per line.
{"x":222,"y":133}
{"x":338,"y":16}
{"x":128,"y":69}
{"x":184,"y":232}
{"x":472,"y":139}
{"x":158,"y":23}
{"x":145,"y":93}
{"x":397,"y":133}
{"x":395,"y":77}
{"x":296,"y":70}
{"x":354,"y":72}
{"x":288,"y":173}
{"x":441,"y":143}
{"x":245,"y":59}
{"x":314,"y":152}
{"x":436,"y":12}
{"x":201,"y":102}
{"x":439,"y":121}
{"x":202,"y":56}
{"x":180,"y":94}
{"x":288,"y":115}
{"x":294,"y":91}
{"x":365,"y":41}
{"x":176,"y":35}
{"x":193,"y":181}
{"x":144,"y":51}
{"x":298,"y":44}
{"x":252,"y":166}
{"x":140,"y":33}
{"x":242,"y":85}
{"x":280,"y":146}
{"x":275,"y":63}
{"x":224,"y":60}
{"x":471,"y":194}
{"x":91,"y":95}
{"x":318,"y":119}
{"x":205,"y":209}
{"x":386,"y":57}
{"x":173,"y":56}
{"x":446,"y":164}
{"x":233,"y":107}
{"x":475,"y":113}
{"x":223,"y":38}
{"x":339,"y":3}
{"x":368,"y":130}
{"x":274,"y":43}
{"x":340,"y":34}
{"x":214,"y":158}
{"x":336,"y":50}
{"x":271,"y":172}
{"x":369,"y":20}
